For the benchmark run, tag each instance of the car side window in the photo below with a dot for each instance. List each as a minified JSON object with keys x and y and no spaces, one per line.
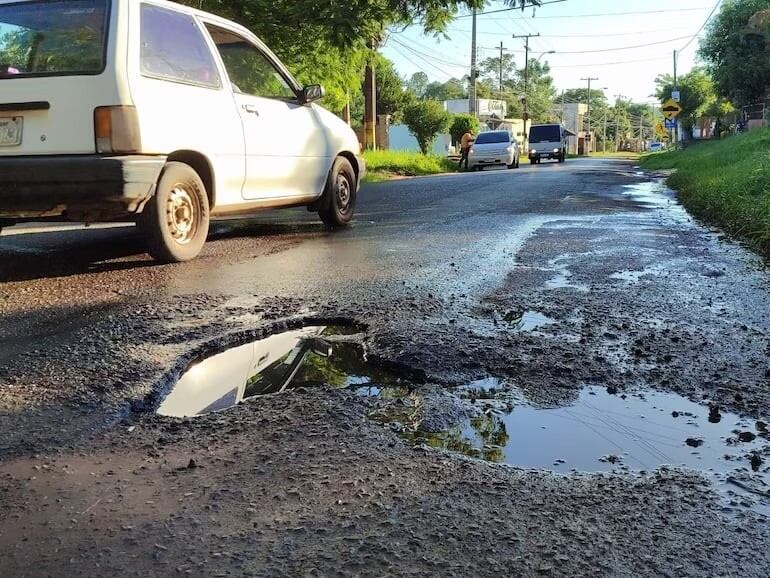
{"x":250,"y":71}
{"x":174,"y":48}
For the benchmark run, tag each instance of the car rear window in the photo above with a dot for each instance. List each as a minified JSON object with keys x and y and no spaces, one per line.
{"x":493,"y":137}
{"x":545,"y":133}
{"x":53,"y":37}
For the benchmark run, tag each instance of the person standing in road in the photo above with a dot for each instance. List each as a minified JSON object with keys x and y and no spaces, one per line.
{"x":465,"y":147}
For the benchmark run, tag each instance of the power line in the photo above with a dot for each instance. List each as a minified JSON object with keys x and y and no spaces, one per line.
{"x":510,"y":9}
{"x":609,"y":35}
{"x":705,"y":22}
{"x":621,"y":47}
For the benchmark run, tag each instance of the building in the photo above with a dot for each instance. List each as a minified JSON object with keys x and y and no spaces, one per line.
{"x":573,"y":116}
{"x":490,"y":112}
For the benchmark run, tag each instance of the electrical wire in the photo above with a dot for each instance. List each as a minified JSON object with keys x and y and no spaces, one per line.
{"x":705,"y":22}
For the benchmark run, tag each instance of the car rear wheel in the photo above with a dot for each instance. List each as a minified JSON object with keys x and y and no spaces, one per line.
{"x":175,"y":222}
{"x":339,"y":197}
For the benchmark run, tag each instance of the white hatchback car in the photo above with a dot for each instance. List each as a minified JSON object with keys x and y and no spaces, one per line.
{"x":161,"y":113}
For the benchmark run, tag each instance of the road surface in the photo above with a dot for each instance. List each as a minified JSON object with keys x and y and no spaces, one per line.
{"x":636,"y":297}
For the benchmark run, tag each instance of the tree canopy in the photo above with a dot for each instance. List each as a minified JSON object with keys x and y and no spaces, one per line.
{"x":737,"y":52}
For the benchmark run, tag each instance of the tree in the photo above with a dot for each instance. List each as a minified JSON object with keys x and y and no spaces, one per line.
{"x":736,"y":52}
{"x":418,"y":84}
{"x":462,"y":123}
{"x":449,"y":90}
{"x":540,"y":91}
{"x":391,"y":96}
{"x":697,"y":92}
{"x":426,"y":119}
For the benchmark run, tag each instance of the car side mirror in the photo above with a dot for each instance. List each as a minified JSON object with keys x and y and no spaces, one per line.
{"x":311,"y":93}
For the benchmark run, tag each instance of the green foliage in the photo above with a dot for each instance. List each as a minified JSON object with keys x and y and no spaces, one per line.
{"x":418,"y":84}
{"x":726,"y":182}
{"x":391,"y":96}
{"x":426,"y":119}
{"x":736,"y":52}
{"x":540,"y":92}
{"x":697,"y":93}
{"x":462,"y":123}
{"x":449,"y":90}
{"x":383,"y":164}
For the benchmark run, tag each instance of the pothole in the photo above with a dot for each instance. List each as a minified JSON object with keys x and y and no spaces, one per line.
{"x":602,"y":431}
{"x":528,"y":321}
{"x":332,"y":356}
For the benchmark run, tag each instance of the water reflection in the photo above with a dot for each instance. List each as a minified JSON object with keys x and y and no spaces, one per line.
{"x":311,"y":356}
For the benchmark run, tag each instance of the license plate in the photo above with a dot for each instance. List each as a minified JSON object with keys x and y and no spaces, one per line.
{"x":10,"y":130}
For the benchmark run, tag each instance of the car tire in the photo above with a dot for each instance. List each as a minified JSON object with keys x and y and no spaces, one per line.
{"x":339,"y":198}
{"x":175,"y":221}
{"x":562,"y":157}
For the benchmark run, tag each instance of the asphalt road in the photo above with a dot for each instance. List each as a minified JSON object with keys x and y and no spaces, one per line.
{"x":639,"y":297}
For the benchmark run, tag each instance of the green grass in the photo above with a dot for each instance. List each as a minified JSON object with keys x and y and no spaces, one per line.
{"x":382,"y":165}
{"x":725,"y":182}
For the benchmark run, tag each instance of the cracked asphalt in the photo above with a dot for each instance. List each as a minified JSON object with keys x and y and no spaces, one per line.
{"x":93,"y":333}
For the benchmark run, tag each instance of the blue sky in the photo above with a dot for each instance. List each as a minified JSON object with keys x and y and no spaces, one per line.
{"x":589,"y":36}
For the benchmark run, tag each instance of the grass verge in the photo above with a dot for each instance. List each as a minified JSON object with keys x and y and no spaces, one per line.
{"x":382,"y":165}
{"x":725,"y":182}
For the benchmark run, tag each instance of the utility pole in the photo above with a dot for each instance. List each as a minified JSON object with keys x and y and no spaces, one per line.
{"x":588,"y":112}
{"x":370,"y":97}
{"x":618,"y":97}
{"x":676,"y":120}
{"x":502,"y":49}
{"x":472,"y":105}
{"x":525,"y":99}
{"x":604,"y":134}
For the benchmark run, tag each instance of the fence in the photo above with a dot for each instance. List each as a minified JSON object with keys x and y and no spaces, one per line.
{"x":757,"y":114}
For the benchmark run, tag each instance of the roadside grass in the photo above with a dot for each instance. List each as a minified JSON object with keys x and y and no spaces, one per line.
{"x":725,"y":182}
{"x":616,"y":155}
{"x":382,"y":165}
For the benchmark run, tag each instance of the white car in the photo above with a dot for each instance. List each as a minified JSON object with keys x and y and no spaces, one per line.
{"x":161,"y":113}
{"x":496,"y":147}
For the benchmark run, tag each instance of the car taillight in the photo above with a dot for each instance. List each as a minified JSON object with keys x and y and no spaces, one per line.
{"x":116,"y":130}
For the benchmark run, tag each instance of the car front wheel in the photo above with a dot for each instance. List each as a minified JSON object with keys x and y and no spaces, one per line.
{"x":339,"y":197}
{"x":175,"y":221}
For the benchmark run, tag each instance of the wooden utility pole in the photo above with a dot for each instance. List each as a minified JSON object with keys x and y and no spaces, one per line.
{"x":588,"y":112}
{"x":502,"y":49}
{"x":370,"y":101}
{"x":525,"y":98}
{"x":472,"y":95}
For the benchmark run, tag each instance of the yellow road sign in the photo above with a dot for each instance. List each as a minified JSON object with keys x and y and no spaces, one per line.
{"x":671,"y":109}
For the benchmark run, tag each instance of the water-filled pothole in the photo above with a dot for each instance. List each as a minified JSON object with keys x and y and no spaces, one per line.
{"x":602,"y":431}
{"x":312,"y":356}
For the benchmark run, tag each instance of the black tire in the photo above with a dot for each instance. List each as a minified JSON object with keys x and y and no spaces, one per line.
{"x":338,"y":202}
{"x":175,"y":221}
{"x":518,"y":161}
{"x":562,"y":157}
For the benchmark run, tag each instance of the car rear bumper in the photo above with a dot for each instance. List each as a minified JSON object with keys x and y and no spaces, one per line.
{"x":82,"y":187}
{"x":361,"y":168}
{"x":545,"y":155}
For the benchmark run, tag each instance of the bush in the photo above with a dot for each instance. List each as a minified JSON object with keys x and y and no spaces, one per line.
{"x":426,"y":119}
{"x":382,"y":164}
{"x":462,"y":123}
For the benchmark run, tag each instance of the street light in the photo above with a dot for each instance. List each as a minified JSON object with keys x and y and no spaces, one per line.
{"x":544,"y":53}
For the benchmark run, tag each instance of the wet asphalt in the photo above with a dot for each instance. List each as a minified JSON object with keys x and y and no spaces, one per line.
{"x":641,"y":298}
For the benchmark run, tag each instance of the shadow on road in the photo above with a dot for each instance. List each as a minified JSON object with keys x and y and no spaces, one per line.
{"x":26,"y":257}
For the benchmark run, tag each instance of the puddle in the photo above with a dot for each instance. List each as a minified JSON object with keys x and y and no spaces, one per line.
{"x":528,"y":320}
{"x":602,"y":432}
{"x":312,"y":356}
{"x":650,"y":194}
{"x":633,"y":277}
{"x":563,"y":277}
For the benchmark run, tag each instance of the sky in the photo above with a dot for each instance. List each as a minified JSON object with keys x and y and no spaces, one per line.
{"x":623,"y":43}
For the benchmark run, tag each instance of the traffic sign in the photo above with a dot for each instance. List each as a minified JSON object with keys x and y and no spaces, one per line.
{"x":671,"y":109}
{"x":670,"y":124}
{"x":676,"y":95}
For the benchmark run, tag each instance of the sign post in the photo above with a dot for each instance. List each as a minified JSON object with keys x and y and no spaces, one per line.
{"x":671,"y":110}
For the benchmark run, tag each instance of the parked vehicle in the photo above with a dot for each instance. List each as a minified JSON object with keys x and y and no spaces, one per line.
{"x":153,"y":111}
{"x":656,"y":147}
{"x":547,"y":141}
{"x":491,"y":148}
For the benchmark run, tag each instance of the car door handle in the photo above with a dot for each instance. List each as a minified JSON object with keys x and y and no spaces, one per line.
{"x":251,"y":109}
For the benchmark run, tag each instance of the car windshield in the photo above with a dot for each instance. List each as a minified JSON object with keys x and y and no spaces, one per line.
{"x":545,"y":133}
{"x":52,"y":37}
{"x":493,"y":137}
